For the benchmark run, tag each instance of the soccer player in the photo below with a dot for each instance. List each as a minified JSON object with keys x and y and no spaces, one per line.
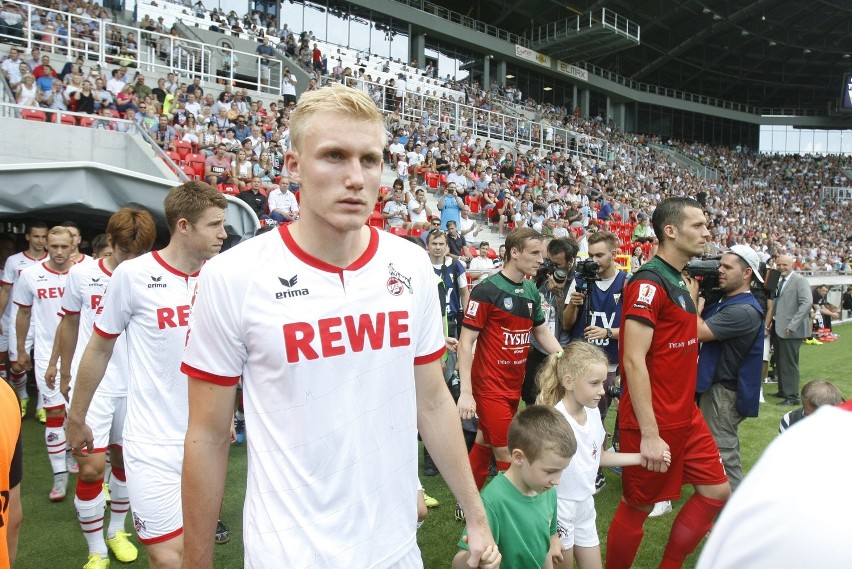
{"x":502,"y":313}
{"x":658,"y":354}
{"x":335,"y":328}
{"x":38,"y":295}
{"x":129,"y":234}
{"x":148,"y":300}
{"x":36,"y":238}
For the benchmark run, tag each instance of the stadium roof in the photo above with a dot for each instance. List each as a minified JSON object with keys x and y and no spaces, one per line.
{"x":764,"y":53}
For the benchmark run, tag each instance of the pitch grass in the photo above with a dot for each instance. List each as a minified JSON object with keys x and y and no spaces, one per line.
{"x":51,"y":537}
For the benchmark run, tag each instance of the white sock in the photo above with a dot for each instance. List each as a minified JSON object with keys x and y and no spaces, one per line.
{"x":54,"y":438}
{"x":19,"y":383}
{"x":119,"y":504}
{"x":91,"y":516}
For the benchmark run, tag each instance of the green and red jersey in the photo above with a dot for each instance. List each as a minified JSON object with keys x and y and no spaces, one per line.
{"x":657,"y":296}
{"x":504,"y":313}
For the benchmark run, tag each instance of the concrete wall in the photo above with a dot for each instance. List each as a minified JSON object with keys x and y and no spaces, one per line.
{"x":30,"y":141}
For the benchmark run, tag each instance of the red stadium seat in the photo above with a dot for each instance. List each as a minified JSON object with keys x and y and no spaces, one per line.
{"x":416,"y":231}
{"x":376,"y":220}
{"x":196,"y":161}
{"x":189,"y":171}
{"x":229,"y":189}
{"x":401,"y":231}
{"x":86,"y":121}
{"x":183,"y":149}
{"x":65,"y":119}
{"x":432,"y":180}
{"x":33,"y":115}
{"x":475,"y":204}
{"x":174,"y":156}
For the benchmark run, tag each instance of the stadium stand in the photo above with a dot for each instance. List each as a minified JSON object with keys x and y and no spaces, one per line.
{"x":532,"y":150}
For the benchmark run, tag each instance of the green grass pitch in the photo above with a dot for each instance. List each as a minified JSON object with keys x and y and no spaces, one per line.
{"x":51,"y":537}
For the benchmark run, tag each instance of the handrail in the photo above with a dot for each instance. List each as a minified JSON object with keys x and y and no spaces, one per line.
{"x":129,"y":128}
{"x":154,"y":52}
{"x":513,"y":131}
{"x":608,"y":19}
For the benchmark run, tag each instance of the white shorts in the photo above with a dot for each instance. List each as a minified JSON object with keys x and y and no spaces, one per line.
{"x":576,"y":523}
{"x":50,"y":398}
{"x":106,"y":419}
{"x":153,"y":484}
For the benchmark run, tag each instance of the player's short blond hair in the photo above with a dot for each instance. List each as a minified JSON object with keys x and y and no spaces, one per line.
{"x":60,"y":230}
{"x":334,"y":98}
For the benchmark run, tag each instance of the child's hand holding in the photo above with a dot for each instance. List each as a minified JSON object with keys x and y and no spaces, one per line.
{"x":667,"y":457}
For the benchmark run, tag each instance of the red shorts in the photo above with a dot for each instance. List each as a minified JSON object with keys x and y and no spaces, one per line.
{"x":495,"y":414}
{"x":695,"y":460}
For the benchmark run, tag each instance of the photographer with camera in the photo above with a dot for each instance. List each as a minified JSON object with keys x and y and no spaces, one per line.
{"x":731,"y":358}
{"x":553,"y":283}
{"x":593,"y":310}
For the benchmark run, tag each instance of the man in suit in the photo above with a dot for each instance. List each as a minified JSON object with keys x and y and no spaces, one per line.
{"x":790,"y":327}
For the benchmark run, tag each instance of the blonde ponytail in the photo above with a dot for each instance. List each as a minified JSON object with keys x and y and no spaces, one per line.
{"x":575,"y":361}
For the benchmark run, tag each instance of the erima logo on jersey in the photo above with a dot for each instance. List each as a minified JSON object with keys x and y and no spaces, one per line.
{"x":157,"y":283}
{"x":290,"y":283}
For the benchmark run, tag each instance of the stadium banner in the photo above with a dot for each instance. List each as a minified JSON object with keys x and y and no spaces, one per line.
{"x":530,"y":55}
{"x":572,"y":70}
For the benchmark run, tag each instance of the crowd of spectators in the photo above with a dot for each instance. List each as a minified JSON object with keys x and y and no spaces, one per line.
{"x":770,"y":202}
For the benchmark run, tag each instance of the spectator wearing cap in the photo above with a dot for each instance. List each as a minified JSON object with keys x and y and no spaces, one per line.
{"x":730,"y":362}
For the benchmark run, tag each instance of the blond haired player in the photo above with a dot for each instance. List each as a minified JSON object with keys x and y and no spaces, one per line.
{"x":335,"y":328}
{"x":38,"y":294}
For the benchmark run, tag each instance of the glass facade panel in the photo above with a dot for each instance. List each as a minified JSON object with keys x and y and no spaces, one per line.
{"x":778,"y":139}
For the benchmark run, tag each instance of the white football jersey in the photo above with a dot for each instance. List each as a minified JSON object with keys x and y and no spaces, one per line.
{"x":84,"y":290}
{"x":149,"y":301}
{"x":15,"y":264}
{"x":41,"y":288}
{"x":327,"y":359}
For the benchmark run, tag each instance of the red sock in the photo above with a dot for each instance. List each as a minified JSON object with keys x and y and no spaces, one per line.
{"x":690,"y":526}
{"x":88,"y":491}
{"x":480,"y":458}
{"x":503,"y":466}
{"x":119,"y":473}
{"x":625,"y":535}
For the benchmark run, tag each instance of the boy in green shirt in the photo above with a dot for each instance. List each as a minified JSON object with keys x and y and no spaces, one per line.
{"x":521,"y":502}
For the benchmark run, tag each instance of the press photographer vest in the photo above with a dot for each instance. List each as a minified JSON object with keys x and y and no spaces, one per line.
{"x":750,"y":370}
{"x":606,"y":313}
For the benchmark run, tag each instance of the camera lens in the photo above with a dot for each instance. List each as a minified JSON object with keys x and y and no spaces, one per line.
{"x":560,"y":275}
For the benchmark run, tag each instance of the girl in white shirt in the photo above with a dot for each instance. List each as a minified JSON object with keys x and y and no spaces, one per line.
{"x":573,"y":381}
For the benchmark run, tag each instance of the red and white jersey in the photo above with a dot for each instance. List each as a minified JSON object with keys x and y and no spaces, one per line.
{"x":149,"y":301}
{"x":15,"y":264}
{"x":327,"y":359}
{"x":84,"y":290}
{"x":41,"y":288}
